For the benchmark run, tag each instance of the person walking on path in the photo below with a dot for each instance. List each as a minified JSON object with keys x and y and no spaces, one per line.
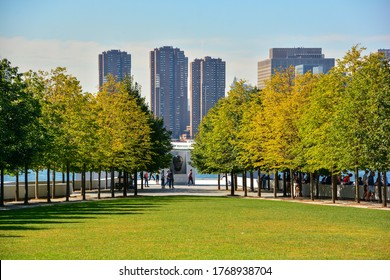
{"x":162,"y":180}
{"x":146,"y":177}
{"x":170,"y":179}
{"x":190,"y":178}
{"x":157,"y":177}
{"x":371,"y":186}
{"x":365,"y":177}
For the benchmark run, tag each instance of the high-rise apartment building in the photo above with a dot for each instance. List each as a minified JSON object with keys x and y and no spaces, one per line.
{"x":169,"y":88}
{"x":386,"y":52}
{"x":207,"y":86}
{"x":114,"y":62}
{"x":282,"y":58}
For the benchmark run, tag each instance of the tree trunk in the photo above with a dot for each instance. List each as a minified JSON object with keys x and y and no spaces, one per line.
{"x":379,"y":183}
{"x":26,"y":183}
{"x":232,"y":184}
{"x":48,"y":195}
{"x":284,"y":184}
{"x":1,"y":186}
{"x":334,"y":188}
{"x":36,"y":184}
{"x":226,"y":181}
{"x":17,"y":186}
{"x":73,"y":181}
{"x":276,"y":183}
{"x":385,"y":188}
{"x":67,"y":182}
{"x":125,"y":183}
{"x":112,"y":182}
{"x":252,"y":181}
{"x":135,"y":184}
{"x":258,"y":182}
{"x":106,"y":186}
{"x":268,"y":181}
{"x":244,"y":183}
{"x":142,"y":180}
{"x":99,"y":182}
{"x":311,"y":175}
{"x":90,"y":180}
{"x":53,"y":192}
{"x":83,"y":182}
{"x":292,"y":184}
{"x":317,"y":185}
{"x":357,"y":194}
{"x":219,"y":181}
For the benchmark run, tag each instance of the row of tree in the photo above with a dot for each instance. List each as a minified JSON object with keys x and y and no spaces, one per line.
{"x":47,"y":122}
{"x":308,"y":123}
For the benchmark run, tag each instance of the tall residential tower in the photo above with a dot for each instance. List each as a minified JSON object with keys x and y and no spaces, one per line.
{"x":169,"y":88}
{"x":114,"y":62}
{"x":207,"y":86}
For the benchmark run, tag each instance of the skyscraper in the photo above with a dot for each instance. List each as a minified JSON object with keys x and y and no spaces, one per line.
{"x":282,"y":58}
{"x":386,"y":52}
{"x":169,"y":88}
{"x":114,"y":62}
{"x":207,"y":86}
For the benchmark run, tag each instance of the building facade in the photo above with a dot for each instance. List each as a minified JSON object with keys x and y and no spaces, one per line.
{"x":169,"y":88}
{"x":281,"y":58}
{"x":114,"y":62}
{"x":386,"y":52}
{"x":207,"y":86}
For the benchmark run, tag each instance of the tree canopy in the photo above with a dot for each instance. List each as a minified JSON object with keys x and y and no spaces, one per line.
{"x":47,"y":121}
{"x":336,"y":121}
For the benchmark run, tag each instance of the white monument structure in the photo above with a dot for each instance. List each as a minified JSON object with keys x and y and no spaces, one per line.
{"x":181,"y":158}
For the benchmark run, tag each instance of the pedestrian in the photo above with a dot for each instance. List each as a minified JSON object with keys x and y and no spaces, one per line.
{"x":297,"y":186}
{"x":146,"y":178}
{"x":347,"y":179}
{"x":263,"y":181}
{"x":157,"y":177}
{"x":170,"y":179}
{"x":365,"y":177}
{"x":190,"y":178}
{"x":365,"y":195}
{"x":162,"y":180}
{"x":371,"y":186}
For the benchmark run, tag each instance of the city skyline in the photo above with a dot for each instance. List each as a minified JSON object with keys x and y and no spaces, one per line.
{"x":240,"y":32}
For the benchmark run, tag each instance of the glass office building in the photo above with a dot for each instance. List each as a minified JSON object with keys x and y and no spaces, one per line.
{"x":281,"y":58}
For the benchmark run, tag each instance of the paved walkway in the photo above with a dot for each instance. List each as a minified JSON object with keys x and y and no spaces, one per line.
{"x":197,"y":190}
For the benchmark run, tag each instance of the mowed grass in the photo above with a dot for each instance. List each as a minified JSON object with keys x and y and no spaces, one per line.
{"x":208,"y":228}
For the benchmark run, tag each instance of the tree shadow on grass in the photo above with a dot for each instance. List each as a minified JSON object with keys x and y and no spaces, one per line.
{"x":40,"y":217}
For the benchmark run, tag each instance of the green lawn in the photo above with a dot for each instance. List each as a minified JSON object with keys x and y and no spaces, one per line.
{"x":193,"y":228}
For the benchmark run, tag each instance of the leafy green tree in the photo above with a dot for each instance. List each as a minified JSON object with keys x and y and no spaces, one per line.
{"x":21,"y":138}
{"x":63,"y":99}
{"x":204,"y":157}
{"x":160,"y":137}
{"x":123,"y":130}
{"x":216,"y":148}
{"x":364,"y":116}
{"x":35,"y":83}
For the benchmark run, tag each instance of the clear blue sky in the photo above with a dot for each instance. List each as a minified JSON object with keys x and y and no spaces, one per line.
{"x":44,"y":34}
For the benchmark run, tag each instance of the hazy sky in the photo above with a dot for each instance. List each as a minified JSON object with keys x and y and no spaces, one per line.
{"x":44,"y":34}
